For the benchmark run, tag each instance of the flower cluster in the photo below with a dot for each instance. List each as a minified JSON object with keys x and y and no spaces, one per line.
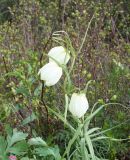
{"x":51,"y":74}
{"x":52,"y":71}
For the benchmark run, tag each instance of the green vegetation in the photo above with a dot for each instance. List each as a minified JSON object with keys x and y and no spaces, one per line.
{"x":35,"y":121}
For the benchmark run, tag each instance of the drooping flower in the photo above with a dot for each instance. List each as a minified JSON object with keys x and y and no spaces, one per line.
{"x":78,"y":104}
{"x":12,"y":157}
{"x":59,"y":54}
{"x":50,"y":73}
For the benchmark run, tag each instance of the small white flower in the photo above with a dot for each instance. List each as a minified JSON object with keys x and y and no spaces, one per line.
{"x":59,"y":54}
{"x":50,"y":73}
{"x":78,"y":104}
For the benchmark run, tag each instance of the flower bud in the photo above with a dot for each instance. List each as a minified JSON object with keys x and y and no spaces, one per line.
{"x":50,"y":73}
{"x":78,"y":104}
{"x":59,"y":54}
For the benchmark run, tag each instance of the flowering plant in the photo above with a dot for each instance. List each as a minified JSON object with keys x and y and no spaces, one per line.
{"x":84,"y":137}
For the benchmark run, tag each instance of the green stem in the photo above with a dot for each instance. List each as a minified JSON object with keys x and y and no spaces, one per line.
{"x":86,"y":33}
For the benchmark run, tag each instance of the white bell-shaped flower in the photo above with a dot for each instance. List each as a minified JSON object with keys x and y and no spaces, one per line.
{"x":78,"y":104}
{"x":59,"y":54}
{"x":50,"y":73}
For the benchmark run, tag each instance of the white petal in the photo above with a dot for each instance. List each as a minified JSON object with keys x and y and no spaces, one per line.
{"x":50,"y":73}
{"x":59,"y":54}
{"x":78,"y":104}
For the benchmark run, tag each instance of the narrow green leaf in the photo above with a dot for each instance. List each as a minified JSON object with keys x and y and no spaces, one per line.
{"x":93,"y":114}
{"x":90,"y":131}
{"x":66,"y":106}
{"x":62,"y":119}
{"x":77,"y":133}
{"x":84,"y":151}
{"x":100,"y":138}
{"x":90,"y":146}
